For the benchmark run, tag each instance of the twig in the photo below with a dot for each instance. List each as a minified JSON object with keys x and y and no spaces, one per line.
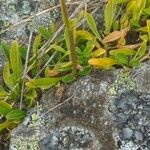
{"x":27,"y":59}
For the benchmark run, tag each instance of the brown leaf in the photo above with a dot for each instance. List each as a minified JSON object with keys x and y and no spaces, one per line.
{"x":128,"y":46}
{"x":52,"y":73}
{"x":115,"y":35}
{"x":112,"y":37}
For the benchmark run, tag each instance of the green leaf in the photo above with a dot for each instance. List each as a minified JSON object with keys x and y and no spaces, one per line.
{"x":85,"y":71}
{"x":16,"y":115}
{"x":104,"y":63}
{"x":43,"y":83}
{"x":92,"y":24}
{"x":44,"y":32}
{"x":121,"y":1}
{"x":141,"y":50}
{"x":64,"y":66}
{"x":3,"y":93}
{"x":121,"y":58}
{"x":125,"y":51}
{"x":36,"y":44}
{"x":7,"y":77}
{"x":148,"y":29}
{"x":88,"y":49}
{"x":15,"y":60}
{"x":58,"y":48}
{"x":99,"y":52}
{"x":84,"y":35}
{"x":23,"y":51}
{"x":6,"y":49}
{"x":109,"y":13}
{"x":68,"y":78}
{"x":138,"y":8}
{"x":52,"y":28}
{"x":146,"y":11}
{"x":135,"y":64}
{"x":4,"y":108}
{"x":31,"y":94}
{"x":5,"y":125}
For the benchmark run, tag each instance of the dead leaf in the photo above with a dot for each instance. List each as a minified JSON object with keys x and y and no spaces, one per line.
{"x":112,"y":37}
{"x":53,"y":73}
{"x":129,"y":46}
{"x":115,"y":35}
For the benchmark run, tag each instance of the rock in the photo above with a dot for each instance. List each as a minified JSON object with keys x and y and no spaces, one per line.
{"x":148,"y":144}
{"x":126,"y":133}
{"x":83,"y":119}
{"x":138,"y":136}
{"x":85,"y":129}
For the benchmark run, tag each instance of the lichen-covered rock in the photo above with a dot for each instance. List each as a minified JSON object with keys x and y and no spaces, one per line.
{"x":108,"y":110}
{"x":14,"y":11}
{"x":80,"y":122}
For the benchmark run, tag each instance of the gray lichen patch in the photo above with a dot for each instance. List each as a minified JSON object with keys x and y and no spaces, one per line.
{"x":133,"y":120}
{"x":14,"y":11}
{"x":70,"y":137}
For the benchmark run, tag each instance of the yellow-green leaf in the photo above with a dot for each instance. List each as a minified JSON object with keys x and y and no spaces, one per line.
{"x":104,"y":63}
{"x":43,"y":83}
{"x":68,"y":78}
{"x":85,"y":35}
{"x":121,"y":58}
{"x":92,"y":24}
{"x":124,"y":51}
{"x":6,"y":49}
{"x":109,"y":12}
{"x":58,"y":48}
{"x":135,"y":63}
{"x":4,"y":108}
{"x":3,"y":93}
{"x":148,"y":29}
{"x":138,"y":8}
{"x":15,"y":60}
{"x":15,"y":115}
{"x":36,"y":44}
{"x":99,"y":52}
{"x":7,"y":77}
{"x":44,"y":32}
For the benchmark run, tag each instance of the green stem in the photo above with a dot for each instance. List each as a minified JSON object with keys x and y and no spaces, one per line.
{"x":70,"y":33}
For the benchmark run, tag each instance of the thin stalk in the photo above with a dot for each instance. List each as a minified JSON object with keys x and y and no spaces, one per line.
{"x":70,"y":33}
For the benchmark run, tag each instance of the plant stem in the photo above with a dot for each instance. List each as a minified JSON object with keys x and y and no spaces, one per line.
{"x":70,"y":33}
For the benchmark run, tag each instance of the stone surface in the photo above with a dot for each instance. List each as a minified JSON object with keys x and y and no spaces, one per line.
{"x":79,"y":123}
{"x":108,"y":110}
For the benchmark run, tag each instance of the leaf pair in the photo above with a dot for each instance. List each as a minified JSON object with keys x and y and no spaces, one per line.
{"x":11,"y":115}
